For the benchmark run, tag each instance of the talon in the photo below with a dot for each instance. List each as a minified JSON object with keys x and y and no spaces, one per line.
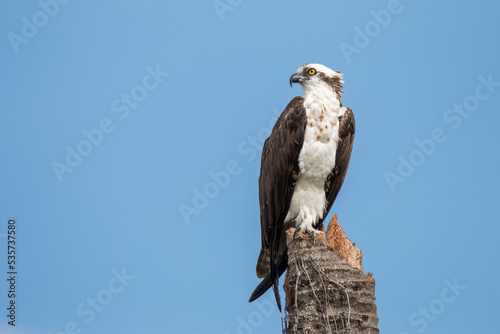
{"x":313,"y":234}
{"x":295,"y":233}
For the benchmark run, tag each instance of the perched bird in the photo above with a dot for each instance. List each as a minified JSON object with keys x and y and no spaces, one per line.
{"x":304,"y":163}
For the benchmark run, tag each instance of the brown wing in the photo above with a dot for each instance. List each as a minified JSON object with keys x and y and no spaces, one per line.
{"x":334,"y":181}
{"x":278,"y":174}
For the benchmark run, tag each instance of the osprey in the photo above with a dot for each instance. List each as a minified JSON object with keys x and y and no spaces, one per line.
{"x":304,"y":163}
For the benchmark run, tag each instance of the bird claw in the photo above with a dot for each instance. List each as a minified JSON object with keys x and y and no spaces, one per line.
{"x":295,"y":233}
{"x":315,"y":233}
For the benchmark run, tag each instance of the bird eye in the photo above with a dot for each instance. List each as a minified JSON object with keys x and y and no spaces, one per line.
{"x":312,"y":71}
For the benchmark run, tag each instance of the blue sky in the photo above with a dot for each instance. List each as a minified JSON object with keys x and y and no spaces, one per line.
{"x":117,"y":115}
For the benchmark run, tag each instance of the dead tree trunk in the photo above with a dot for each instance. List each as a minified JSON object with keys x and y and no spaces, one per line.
{"x":326,"y":290}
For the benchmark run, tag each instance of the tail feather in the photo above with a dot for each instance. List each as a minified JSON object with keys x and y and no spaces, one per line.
{"x":273,"y":250}
{"x":263,"y":263}
{"x":267,"y":282}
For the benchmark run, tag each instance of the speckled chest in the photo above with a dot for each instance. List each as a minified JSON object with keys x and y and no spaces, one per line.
{"x":322,"y":124}
{"x":317,"y":157}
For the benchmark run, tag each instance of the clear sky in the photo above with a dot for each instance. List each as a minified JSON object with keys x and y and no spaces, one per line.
{"x":131,"y":133}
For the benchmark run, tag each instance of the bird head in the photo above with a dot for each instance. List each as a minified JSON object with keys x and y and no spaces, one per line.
{"x":317,"y":76}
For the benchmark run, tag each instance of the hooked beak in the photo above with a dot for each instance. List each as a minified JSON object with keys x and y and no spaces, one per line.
{"x":296,"y":78}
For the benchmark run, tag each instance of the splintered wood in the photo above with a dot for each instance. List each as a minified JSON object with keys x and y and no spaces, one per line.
{"x":337,"y":240}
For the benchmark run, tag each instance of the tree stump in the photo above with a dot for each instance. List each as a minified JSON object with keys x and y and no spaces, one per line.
{"x":326,"y":290}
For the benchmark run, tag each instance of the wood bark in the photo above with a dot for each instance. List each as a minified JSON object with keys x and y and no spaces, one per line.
{"x":326,"y":290}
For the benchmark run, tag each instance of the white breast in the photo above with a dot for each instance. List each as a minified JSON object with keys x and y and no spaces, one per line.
{"x":316,"y":159}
